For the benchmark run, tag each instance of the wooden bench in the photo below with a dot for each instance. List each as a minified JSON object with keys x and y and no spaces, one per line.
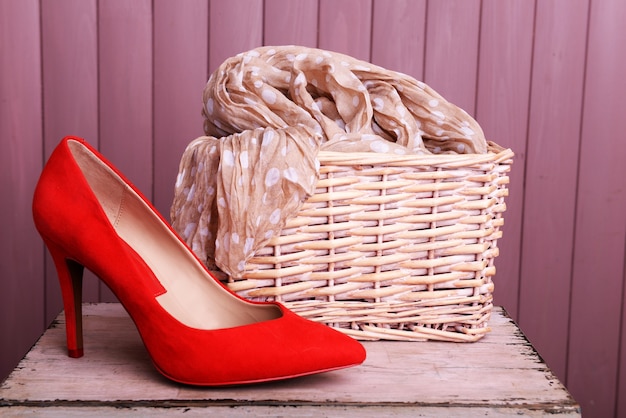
{"x":500,"y":375}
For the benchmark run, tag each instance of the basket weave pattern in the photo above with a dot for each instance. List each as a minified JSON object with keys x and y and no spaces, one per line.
{"x":391,"y":247}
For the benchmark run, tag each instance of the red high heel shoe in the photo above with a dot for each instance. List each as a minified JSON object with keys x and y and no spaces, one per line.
{"x":196,"y":331}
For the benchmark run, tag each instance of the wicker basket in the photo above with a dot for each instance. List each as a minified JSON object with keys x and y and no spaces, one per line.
{"x":391,"y":247}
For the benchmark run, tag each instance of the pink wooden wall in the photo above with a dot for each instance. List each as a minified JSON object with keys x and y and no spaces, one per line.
{"x":546,"y":78}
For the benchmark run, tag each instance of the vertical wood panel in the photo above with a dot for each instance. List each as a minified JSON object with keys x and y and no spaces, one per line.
{"x":502,"y":110}
{"x":597,"y":286}
{"x":125,"y":54}
{"x":125,"y":90}
{"x":70,"y":92}
{"x":290,"y":22}
{"x":345,"y":26}
{"x":399,"y":35}
{"x":554,"y":130}
{"x":21,"y":249}
{"x":234,"y":26}
{"x":452,"y":50}
{"x":180,"y":68}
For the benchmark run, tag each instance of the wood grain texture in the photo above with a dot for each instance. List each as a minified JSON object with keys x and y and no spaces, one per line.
{"x":451,"y":62}
{"x":551,"y":167}
{"x":180,"y":68}
{"x":345,"y":26}
{"x":502,"y":375}
{"x":290,"y":22}
{"x":21,"y":249}
{"x":502,"y":111}
{"x":399,"y":36}
{"x":598,"y":268}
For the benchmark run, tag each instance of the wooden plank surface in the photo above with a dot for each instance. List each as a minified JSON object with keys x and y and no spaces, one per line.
{"x":125,"y":92}
{"x":452,"y":50}
{"x":70,"y":93}
{"x":595,"y":369}
{"x":345,"y":26}
{"x":234,"y":26}
{"x":501,"y":374}
{"x":125,"y":73}
{"x":21,"y":150}
{"x":399,"y":35}
{"x":180,"y":74}
{"x":551,"y":169}
{"x":290,"y":22}
{"x":70,"y":80}
{"x":502,"y":111}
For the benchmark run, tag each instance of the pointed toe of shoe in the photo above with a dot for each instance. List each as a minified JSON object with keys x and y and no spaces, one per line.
{"x":321,"y":348}
{"x":355,"y":352}
{"x":278,"y":349}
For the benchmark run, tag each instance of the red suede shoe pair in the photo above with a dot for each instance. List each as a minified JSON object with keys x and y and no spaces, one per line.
{"x":196,"y":331}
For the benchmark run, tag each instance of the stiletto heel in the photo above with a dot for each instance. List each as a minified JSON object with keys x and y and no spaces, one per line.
{"x":196,"y":331}
{"x":71,"y":280}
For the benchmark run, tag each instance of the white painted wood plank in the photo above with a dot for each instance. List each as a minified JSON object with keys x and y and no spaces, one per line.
{"x":501,"y":374}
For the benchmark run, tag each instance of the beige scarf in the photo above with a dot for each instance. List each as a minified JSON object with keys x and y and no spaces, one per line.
{"x":267,"y":113}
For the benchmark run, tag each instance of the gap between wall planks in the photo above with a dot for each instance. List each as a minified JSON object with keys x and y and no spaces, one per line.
{"x":128,"y":77}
